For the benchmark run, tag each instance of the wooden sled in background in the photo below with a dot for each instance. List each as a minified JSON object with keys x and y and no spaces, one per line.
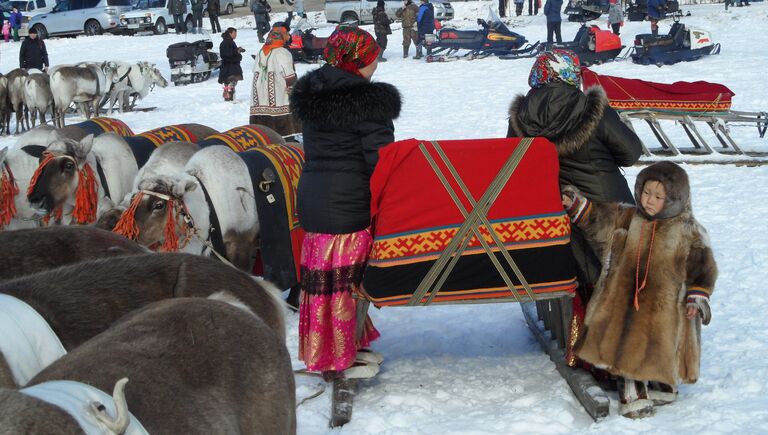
{"x":687,"y":104}
{"x":484,"y":224}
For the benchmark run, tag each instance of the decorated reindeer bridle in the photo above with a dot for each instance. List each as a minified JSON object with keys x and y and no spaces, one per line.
{"x":86,"y":195}
{"x":126,"y":225}
{"x":8,"y":191}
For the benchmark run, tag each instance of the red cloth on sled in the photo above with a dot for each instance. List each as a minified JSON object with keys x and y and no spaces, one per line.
{"x":634,"y":94}
{"x":414,"y":219}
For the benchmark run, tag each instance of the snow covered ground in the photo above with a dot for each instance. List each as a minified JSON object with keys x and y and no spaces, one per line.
{"x":477,"y":369}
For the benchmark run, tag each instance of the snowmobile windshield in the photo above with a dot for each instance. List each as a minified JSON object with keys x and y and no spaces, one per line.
{"x":495,"y":23}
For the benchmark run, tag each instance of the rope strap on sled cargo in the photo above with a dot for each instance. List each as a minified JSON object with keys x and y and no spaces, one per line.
{"x":438,"y":273}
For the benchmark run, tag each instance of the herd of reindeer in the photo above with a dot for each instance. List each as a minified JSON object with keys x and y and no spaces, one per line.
{"x":87,"y":85}
{"x":102,"y":335}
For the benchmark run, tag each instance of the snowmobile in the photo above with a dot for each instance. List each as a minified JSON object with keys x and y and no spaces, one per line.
{"x":192,"y":62}
{"x":681,"y":44}
{"x":637,"y":10}
{"x":305,"y":46}
{"x":494,"y":38}
{"x":581,"y":11}
{"x":594,"y":45}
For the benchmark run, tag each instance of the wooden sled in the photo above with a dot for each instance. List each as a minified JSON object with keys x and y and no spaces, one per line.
{"x":508,"y":262}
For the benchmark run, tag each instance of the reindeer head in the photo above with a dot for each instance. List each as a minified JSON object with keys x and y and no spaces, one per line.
{"x":156,"y":210}
{"x":57,"y":178}
{"x":110,"y":70}
{"x":150,"y":71}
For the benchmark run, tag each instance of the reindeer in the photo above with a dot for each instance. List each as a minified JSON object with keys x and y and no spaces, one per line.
{"x":17,"y":165}
{"x":169,"y":158}
{"x":38,"y":96}
{"x":175,"y":211}
{"x":76,"y":181}
{"x":36,"y":250}
{"x":81,"y":84}
{"x":196,"y":366}
{"x":137,"y":80}
{"x":77,"y":308}
{"x":16,"y":81}
{"x":5,"y":106}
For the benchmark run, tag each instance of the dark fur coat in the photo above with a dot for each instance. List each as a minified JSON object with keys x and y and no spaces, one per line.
{"x":656,"y":342}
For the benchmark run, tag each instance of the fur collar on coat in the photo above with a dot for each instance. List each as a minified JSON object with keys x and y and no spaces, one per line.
{"x":330,"y":98}
{"x":570,"y":125}
{"x":676,"y":186}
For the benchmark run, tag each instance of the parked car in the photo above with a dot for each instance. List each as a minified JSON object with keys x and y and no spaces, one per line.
{"x":29,"y":7}
{"x":72,"y":17}
{"x":151,"y":15}
{"x":339,"y":11}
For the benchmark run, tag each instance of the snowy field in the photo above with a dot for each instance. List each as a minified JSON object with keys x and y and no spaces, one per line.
{"x":477,"y":369}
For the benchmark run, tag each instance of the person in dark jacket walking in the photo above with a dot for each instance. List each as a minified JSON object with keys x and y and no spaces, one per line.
{"x":33,"y":53}
{"x":213,"y":15}
{"x":591,"y":141}
{"x":655,"y":13}
{"x":178,"y":8}
{"x":230,"y":72}
{"x":552,"y":10}
{"x":346,"y":119}
{"x":381,"y":27}
{"x":425,"y":21}
{"x":197,"y":14}
{"x":15,"y":19}
{"x":261,"y":10}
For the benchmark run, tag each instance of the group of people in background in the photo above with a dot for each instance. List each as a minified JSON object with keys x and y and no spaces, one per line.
{"x":533,"y":7}
{"x":178,"y":8}
{"x":418,"y":21}
{"x":10,"y":27}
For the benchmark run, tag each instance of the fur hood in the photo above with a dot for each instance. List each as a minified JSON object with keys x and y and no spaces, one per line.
{"x":676,"y":186}
{"x":333,"y":99}
{"x":559,"y":112}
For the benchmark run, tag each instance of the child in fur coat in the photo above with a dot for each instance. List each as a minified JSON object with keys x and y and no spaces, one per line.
{"x":644,"y":320}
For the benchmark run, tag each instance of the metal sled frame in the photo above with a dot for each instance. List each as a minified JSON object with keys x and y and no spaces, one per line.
{"x":597,"y":407}
{"x":716,"y":121}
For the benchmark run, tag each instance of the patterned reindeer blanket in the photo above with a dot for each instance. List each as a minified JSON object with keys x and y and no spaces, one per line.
{"x":414,"y":219}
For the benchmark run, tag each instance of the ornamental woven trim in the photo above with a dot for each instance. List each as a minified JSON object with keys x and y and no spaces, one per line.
{"x":114,"y":125}
{"x":288,"y":161}
{"x":167,"y":134}
{"x":671,"y":105}
{"x":242,"y":138}
{"x":523,"y":233}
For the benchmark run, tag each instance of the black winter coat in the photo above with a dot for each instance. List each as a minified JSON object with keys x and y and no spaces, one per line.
{"x":346,"y":119}
{"x":592,"y":141}
{"x":230,"y":60}
{"x":33,"y":54}
{"x":213,"y":8}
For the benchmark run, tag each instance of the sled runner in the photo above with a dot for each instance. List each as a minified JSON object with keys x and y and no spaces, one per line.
{"x":476,"y":230}
{"x":685,"y":103}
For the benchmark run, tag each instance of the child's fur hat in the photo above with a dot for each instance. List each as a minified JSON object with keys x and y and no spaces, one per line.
{"x":675,"y":182}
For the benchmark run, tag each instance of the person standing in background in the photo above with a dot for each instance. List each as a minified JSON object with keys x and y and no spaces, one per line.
{"x":261,"y":10}
{"x":554,"y":20}
{"x":178,"y":8}
{"x":15,"y":19}
{"x":230,"y":72}
{"x":615,"y":16}
{"x":197,"y":14}
{"x":381,"y":27}
{"x":655,"y":12}
{"x":533,"y":7}
{"x":425,"y":21}
{"x":213,"y":15}
{"x":408,"y":14}
{"x":32,"y":53}
{"x":519,"y":7}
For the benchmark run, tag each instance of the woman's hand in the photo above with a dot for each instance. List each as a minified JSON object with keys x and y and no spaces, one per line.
{"x":567,"y":200}
{"x":691,"y":312}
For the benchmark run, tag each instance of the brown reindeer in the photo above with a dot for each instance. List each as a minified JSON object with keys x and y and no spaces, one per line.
{"x":195,"y":366}
{"x":82,"y":300}
{"x":39,"y":249}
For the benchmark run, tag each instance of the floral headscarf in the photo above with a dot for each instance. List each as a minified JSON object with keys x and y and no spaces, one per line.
{"x":351,"y":48}
{"x":556,"y":65}
{"x":277,"y":37}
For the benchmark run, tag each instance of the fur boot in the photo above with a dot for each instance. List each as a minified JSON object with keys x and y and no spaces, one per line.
{"x":633,"y":399}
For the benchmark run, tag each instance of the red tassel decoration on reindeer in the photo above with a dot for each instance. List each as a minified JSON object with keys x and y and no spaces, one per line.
{"x":171,"y":240}
{"x":47,"y":158}
{"x":86,"y":197}
{"x":126,"y":225}
{"x":8,"y":191}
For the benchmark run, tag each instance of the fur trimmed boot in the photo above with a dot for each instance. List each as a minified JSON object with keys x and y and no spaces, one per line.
{"x":227,"y":93}
{"x":633,"y":399}
{"x":661,"y":394}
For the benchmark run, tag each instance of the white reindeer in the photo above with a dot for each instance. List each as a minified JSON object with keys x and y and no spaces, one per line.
{"x":18,"y":166}
{"x":81,"y":84}
{"x":16,"y":80}
{"x":38,"y":96}
{"x":137,"y":80}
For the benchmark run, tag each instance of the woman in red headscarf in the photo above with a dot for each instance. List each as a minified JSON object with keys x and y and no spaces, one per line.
{"x":273,"y":78}
{"x":345,"y":119}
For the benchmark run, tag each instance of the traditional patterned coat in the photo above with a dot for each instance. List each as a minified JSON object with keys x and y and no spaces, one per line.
{"x":270,"y":92}
{"x":655,"y":342}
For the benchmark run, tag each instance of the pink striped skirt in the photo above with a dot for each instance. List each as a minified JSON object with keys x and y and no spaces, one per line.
{"x":331,"y":273}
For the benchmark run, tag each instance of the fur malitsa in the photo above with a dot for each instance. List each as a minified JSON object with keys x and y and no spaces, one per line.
{"x":656,"y":342}
{"x":39,"y":249}
{"x":82,"y":300}
{"x":315,"y":102}
{"x":195,"y":366}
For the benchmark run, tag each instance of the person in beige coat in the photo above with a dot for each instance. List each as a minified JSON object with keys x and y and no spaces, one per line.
{"x":643,"y":322}
{"x":408,"y":14}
